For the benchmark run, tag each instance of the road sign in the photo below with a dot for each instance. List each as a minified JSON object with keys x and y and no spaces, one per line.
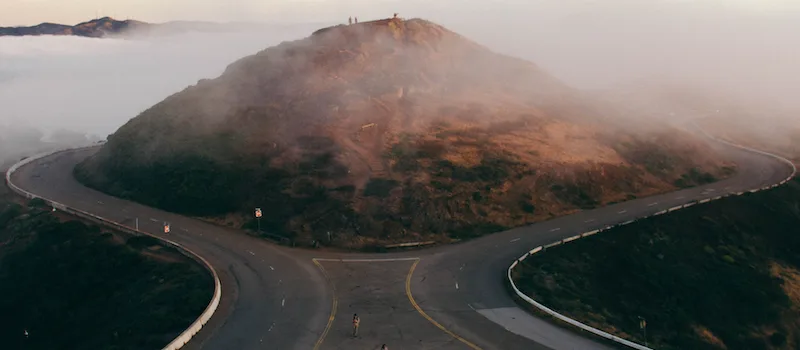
{"x":642,"y":324}
{"x":258,"y":212}
{"x":166,"y":228}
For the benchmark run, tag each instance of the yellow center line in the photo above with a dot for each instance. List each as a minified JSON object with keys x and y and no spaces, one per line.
{"x":333,"y":307}
{"x":431,"y":320}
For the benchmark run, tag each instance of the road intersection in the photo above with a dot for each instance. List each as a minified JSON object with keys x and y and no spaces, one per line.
{"x":446,"y":297}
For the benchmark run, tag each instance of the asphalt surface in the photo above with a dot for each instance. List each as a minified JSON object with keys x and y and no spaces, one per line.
{"x":448,"y":297}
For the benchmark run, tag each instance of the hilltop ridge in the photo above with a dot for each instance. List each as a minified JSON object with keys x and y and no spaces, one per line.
{"x":389,"y":130}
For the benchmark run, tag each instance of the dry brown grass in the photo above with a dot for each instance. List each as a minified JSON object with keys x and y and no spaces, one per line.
{"x":709,"y":337}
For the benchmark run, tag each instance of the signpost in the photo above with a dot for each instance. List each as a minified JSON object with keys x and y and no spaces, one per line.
{"x":643,"y":326}
{"x":258,"y":219}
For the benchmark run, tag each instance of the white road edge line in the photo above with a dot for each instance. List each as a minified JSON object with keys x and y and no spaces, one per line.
{"x":622,"y":212}
{"x":555,"y":229}
{"x":511,"y":241}
{"x":652,"y":204}
{"x":590,"y":220}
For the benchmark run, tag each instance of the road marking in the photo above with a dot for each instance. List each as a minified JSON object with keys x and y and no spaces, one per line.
{"x":456,"y":285}
{"x":462,"y":267}
{"x":555,"y":229}
{"x":652,"y":204}
{"x":511,"y":241}
{"x":283,"y":302}
{"x":590,"y":220}
{"x":366,"y":260}
{"x":416,"y":306}
{"x":184,"y":230}
{"x":251,"y":253}
{"x":333,"y":307}
{"x":681,"y":197}
{"x":153,"y":220}
{"x":470,"y":306}
{"x":622,"y":212}
{"x":272,"y":268}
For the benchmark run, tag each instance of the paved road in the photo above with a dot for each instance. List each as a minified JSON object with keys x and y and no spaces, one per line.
{"x":449,"y":297}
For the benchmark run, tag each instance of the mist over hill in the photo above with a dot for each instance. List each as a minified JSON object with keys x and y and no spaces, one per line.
{"x":390,"y":130}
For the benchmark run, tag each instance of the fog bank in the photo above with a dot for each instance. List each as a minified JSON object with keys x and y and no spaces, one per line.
{"x":744,"y":49}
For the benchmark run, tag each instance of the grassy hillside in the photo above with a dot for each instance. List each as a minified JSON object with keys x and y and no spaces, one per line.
{"x":389,"y":130}
{"x":723,"y":275}
{"x":73,"y":286}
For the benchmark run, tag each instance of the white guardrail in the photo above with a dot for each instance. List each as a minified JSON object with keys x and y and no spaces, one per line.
{"x":596,"y":331}
{"x":198,"y":324}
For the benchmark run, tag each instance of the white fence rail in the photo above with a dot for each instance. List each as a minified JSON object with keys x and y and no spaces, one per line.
{"x":596,"y":331}
{"x":198,"y":324}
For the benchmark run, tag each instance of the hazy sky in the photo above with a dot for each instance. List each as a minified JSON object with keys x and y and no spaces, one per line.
{"x":744,"y":46}
{"x":28,"y":12}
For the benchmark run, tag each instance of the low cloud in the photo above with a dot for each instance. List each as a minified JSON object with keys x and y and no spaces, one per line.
{"x":96,"y":85}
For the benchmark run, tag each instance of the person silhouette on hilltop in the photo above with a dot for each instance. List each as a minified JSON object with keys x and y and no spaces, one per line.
{"x":349,"y":20}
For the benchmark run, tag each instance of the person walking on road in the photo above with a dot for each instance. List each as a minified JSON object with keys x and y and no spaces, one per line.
{"x":356,"y":322}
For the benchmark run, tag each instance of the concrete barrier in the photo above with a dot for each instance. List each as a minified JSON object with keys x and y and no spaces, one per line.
{"x":552,"y":244}
{"x":587,"y":234}
{"x":198,"y":324}
{"x":570,"y":239}
{"x":593,"y":330}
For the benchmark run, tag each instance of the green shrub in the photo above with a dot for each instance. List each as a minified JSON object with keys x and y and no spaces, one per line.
{"x":379,"y":187}
{"x":37,"y":203}
{"x":10,"y":212}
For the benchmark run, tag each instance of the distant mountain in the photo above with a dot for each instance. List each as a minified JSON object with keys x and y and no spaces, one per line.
{"x":108,"y":27}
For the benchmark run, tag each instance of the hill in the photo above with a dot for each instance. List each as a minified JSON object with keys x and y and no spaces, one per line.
{"x":722,"y":275}
{"x":131,"y":293}
{"x":109,"y":27}
{"x":95,"y":28}
{"x":391,"y":130}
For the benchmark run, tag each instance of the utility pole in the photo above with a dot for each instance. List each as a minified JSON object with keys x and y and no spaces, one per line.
{"x":137,"y":224}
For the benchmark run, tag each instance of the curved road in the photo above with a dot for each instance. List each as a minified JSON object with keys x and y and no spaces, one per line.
{"x":448,"y":297}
